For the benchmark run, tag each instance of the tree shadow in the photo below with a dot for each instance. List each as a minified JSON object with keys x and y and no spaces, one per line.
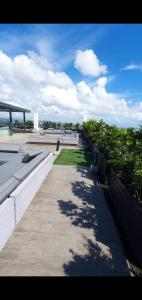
{"x":82,"y":216}
{"x":92,"y":214}
{"x":85,"y":171}
{"x":95,"y":262}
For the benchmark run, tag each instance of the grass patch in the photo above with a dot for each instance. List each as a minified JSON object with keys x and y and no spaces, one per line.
{"x":72,"y":157}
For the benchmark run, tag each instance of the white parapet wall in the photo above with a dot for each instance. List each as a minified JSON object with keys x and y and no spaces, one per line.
{"x":25,"y":192}
{"x":52,"y":139}
{"x":7,"y":220}
{"x":14,"y":207}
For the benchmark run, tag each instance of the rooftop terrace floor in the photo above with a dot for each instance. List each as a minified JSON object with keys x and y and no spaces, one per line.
{"x":21,"y":139}
{"x":66,"y":231}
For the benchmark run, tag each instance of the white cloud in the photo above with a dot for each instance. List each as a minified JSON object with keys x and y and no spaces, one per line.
{"x":5,"y":64}
{"x":45,"y":47}
{"x":62,"y":97}
{"x":83,"y":88}
{"x":98,"y":103}
{"x":40,"y":60}
{"x":101,"y":82}
{"x":26,"y":71}
{"x":59,"y":79}
{"x":132,"y":67}
{"x":88,"y":63}
{"x":27,"y":82}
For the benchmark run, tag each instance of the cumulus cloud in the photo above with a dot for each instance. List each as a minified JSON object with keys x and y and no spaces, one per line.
{"x":40,"y":60}
{"x":98,"y":103}
{"x":62,"y":97}
{"x":101,"y":82}
{"x":28,"y":81}
{"x":59,"y":79}
{"x":132,"y":67}
{"x":5,"y":65}
{"x":88,"y":63}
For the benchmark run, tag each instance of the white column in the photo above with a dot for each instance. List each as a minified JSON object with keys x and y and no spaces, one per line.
{"x":36,"y":122}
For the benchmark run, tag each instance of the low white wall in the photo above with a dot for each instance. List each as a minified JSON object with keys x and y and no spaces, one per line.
{"x":72,"y":141}
{"x":25,"y":192}
{"x":13,"y":208}
{"x":53,"y":139}
{"x":7,"y":221}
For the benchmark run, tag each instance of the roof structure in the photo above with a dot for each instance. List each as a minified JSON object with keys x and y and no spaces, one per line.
{"x":12,"y":108}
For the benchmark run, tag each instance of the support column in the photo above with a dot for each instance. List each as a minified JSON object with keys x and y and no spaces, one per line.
{"x":36,"y":122}
{"x":24,"y":121}
{"x":10,"y":123}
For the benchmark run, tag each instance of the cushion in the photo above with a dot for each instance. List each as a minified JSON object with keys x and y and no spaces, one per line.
{"x":28,"y":168}
{"x":29,"y":156}
{"x":34,"y":153}
{"x":10,"y":167}
{"x":7,"y":188}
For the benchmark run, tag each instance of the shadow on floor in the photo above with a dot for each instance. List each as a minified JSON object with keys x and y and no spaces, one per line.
{"x":94,"y":262}
{"x":104,"y":256}
{"x":85,"y":171}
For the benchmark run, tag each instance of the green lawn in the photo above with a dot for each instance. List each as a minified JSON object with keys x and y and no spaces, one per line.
{"x":74,"y":157}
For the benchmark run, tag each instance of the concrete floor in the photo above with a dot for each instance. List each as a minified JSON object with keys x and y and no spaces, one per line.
{"x":22,"y":138}
{"x":15,"y":138}
{"x":66,"y":231}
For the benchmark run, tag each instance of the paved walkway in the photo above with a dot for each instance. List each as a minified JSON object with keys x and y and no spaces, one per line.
{"x":67,"y":230}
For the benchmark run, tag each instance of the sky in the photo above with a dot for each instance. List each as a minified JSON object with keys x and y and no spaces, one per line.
{"x":73,"y":72}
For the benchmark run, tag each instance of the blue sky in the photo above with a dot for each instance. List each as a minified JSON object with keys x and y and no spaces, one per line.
{"x":48,"y":67}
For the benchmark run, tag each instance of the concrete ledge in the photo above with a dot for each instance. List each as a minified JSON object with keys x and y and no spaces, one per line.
{"x":51,"y":143}
{"x":7,"y":187}
{"x":13,"y":208}
{"x":25,"y":192}
{"x":7,"y":221}
{"x":47,"y":139}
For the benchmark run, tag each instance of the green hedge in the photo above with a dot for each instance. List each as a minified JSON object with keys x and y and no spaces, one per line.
{"x":124,"y":152}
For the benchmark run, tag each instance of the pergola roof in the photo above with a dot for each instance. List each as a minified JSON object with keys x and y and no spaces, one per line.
{"x":12,"y":108}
